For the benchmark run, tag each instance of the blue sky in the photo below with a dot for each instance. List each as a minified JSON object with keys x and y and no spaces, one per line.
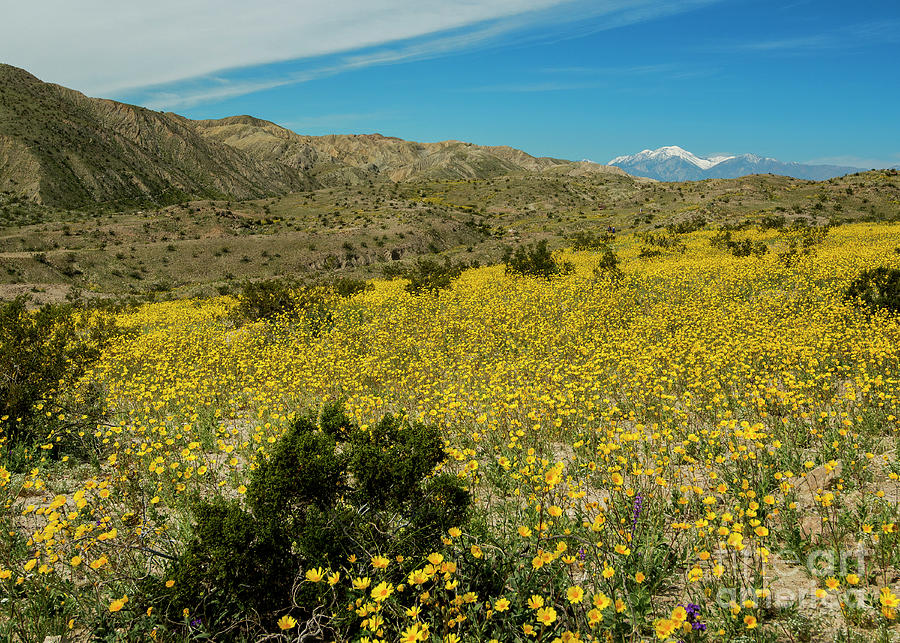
{"x":799,"y":81}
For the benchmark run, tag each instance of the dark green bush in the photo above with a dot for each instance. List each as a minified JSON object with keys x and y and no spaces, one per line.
{"x":697,"y":222}
{"x":802,"y":242}
{"x":877,"y":288}
{"x":586,"y":240}
{"x":738,"y":247}
{"x":347,"y":286}
{"x":608,"y":266}
{"x":772,"y":222}
{"x":382,"y":462}
{"x":266,"y":299}
{"x":427,"y":274}
{"x":278,"y":298}
{"x":328,"y":491}
{"x":38,"y":349}
{"x":654,"y":245}
{"x":235,"y":565}
{"x":535,"y":260}
{"x":303,"y":469}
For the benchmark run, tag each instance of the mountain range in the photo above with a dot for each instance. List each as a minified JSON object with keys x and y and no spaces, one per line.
{"x":673,"y":163}
{"x":61,"y":148}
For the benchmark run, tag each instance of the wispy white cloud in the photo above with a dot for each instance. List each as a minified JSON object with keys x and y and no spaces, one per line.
{"x":170,"y":54}
{"x":105,"y":46}
{"x":858,"y":161}
{"x":780,"y":44}
{"x":852,"y":36}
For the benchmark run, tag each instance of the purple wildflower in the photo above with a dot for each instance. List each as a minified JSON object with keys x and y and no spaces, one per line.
{"x":636,"y":512}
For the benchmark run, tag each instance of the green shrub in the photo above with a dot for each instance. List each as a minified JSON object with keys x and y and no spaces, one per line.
{"x":697,"y":222}
{"x":608,"y":266}
{"x":278,"y":298}
{"x":347,"y":286}
{"x":427,"y":274}
{"x":266,"y":299}
{"x":38,"y":350}
{"x":235,"y":564}
{"x":381,"y":464}
{"x":586,"y":240}
{"x":535,"y":260}
{"x":877,"y":288}
{"x":303,"y":469}
{"x":772,"y":222}
{"x":329,"y":491}
{"x":654,"y":245}
{"x":802,"y":242}
{"x":738,"y":247}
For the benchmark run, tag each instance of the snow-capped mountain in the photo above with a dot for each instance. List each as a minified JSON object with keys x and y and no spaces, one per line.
{"x":673,"y":163}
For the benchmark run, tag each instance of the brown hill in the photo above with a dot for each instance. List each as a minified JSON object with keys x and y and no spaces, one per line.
{"x":358,"y":157}
{"x":59,"y":147}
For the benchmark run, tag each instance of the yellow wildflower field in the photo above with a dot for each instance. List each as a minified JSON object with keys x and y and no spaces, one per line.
{"x":659,"y":455}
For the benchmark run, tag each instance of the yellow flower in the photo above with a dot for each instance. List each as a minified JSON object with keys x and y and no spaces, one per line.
{"x":501,"y":604}
{"x":575,"y":594}
{"x":750,"y":621}
{"x":417,"y":577}
{"x":664,"y":628}
{"x":75,"y":561}
{"x":287,"y":622}
{"x":413,"y":633}
{"x":381,"y":591}
{"x":315,"y":575}
{"x":546,"y":615}
{"x":476,"y":551}
{"x":118,"y":604}
{"x":832,"y":583}
{"x":888,"y":598}
{"x":639,"y":577}
{"x":380,"y":562}
{"x":601,"y":601}
{"x":455,"y":532}
{"x":889,"y":603}
{"x":170,"y":583}
{"x":361,"y":583}
{"x":535,"y":602}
